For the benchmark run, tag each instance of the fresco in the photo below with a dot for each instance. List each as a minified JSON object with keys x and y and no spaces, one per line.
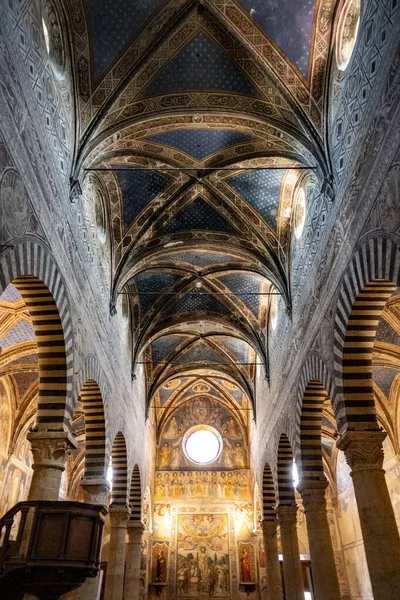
{"x":159,"y":565}
{"x":247,"y":567}
{"x":203,"y":556}
{"x":206,"y":411}
{"x":231,"y":485}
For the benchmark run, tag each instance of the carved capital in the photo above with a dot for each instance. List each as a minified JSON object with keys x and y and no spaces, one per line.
{"x":287,"y":515}
{"x":119,"y":516}
{"x":363,"y":449}
{"x":269,"y":528}
{"x":313,"y":493}
{"x":96,"y":491}
{"x":135,"y":531}
{"x":51,"y":449}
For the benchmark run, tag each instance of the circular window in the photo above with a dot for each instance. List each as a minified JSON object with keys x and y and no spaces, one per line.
{"x":347,"y":33}
{"x":300,"y":213}
{"x":202,"y":444}
{"x":273,"y":314}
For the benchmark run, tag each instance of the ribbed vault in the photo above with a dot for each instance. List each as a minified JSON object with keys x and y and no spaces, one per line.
{"x":199,"y":122}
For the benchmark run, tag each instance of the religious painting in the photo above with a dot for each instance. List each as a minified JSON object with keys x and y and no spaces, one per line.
{"x":202,"y":567}
{"x":247,"y":568}
{"x":221,"y":485}
{"x":5,"y":418}
{"x":159,"y":562}
{"x":202,"y":410}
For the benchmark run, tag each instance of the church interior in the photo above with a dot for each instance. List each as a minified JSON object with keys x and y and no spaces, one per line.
{"x":199,"y":299}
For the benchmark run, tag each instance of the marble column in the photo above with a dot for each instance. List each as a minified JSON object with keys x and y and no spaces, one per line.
{"x":133,"y":557}
{"x":50,"y":450}
{"x":273,"y":573}
{"x":292,"y":571}
{"x":325,"y":580}
{"x":95,"y":491}
{"x":119,"y":516}
{"x":364,"y":455}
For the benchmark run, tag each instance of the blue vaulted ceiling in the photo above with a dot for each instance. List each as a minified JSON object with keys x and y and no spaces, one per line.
{"x":200,"y":66}
{"x":246,"y":286}
{"x":164,"y":345}
{"x":198,"y":299}
{"x":112,"y":24}
{"x":200,"y":259}
{"x":261,"y":188}
{"x":138,"y":188}
{"x":200,"y":143}
{"x":238,"y":347}
{"x":201,"y":352}
{"x":289,"y":24}
{"x":198,"y":215}
{"x":151,"y":283}
{"x":383,"y":377}
{"x":386,"y":333}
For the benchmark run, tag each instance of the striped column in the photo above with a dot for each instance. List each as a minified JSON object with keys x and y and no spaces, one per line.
{"x":269,"y":529}
{"x":287,"y":516}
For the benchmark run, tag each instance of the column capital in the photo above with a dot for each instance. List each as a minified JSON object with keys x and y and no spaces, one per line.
{"x":313,"y":493}
{"x":119,"y":515}
{"x":363,"y":449}
{"x":135,"y":531}
{"x":96,"y":490}
{"x":287,"y":515}
{"x":51,"y":448}
{"x":269,"y":526}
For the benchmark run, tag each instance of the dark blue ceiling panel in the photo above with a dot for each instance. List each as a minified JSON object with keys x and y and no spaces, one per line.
{"x":196,"y":300}
{"x":289,"y":24}
{"x":112,"y":24}
{"x":200,"y":143}
{"x":152,"y":283}
{"x":386,"y":333}
{"x":21,"y":332}
{"x":383,"y":377}
{"x":201,"y":259}
{"x":138,"y":188}
{"x":198,"y":215}
{"x":245,"y":286}
{"x":236,"y":346}
{"x":200,"y":66}
{"x":200,"y":353}
{"x":262,"y":190}
{"x":164,"y":345}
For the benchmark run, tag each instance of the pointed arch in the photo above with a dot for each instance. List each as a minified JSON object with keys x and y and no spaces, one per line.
{"x":135,"y":495}
{"x":95,"y":430}
{"x":269,"y":499}
{"x":371,"y":278}
{"x":310,"y":463}
{"x":32,"y":270}
{"x":119,"y":461}
{"x":286,"y":495}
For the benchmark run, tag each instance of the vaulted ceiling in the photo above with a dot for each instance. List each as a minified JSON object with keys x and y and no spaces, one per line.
{"x":198,"y":123}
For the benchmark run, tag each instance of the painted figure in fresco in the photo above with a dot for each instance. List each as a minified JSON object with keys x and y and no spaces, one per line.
{"x":246,"y":567}
{"x":202,"y":561}
{"x":176,"y":458}
{"x":160,"y":565}
{"x":194,"y":577}
{"x":165,"y":455}
{"x":240,"y":456}
{"x":183,"y":578}
{"x":172,"y":430}
{"x":231,"y":429}
{"x":212,"y":579}
{"x":227,"y":456}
